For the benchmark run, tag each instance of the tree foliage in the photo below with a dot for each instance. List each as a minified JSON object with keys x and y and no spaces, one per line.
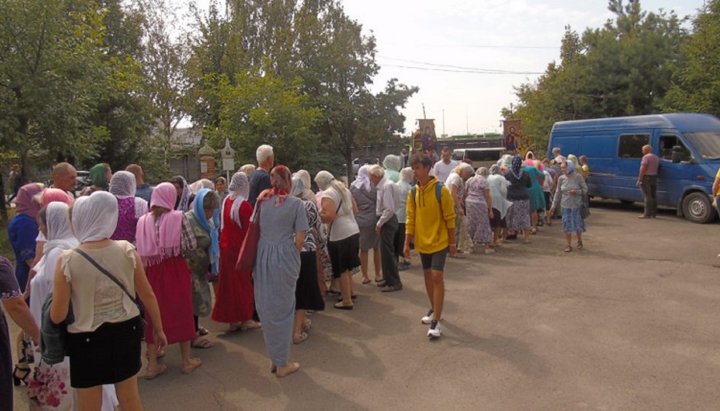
{"x":623,"y":68}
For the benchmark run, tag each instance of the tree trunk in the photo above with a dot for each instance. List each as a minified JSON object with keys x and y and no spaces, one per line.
{"x":3,"y":205}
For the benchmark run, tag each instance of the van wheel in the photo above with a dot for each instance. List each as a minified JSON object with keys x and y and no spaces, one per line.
{"x":697,"y":208}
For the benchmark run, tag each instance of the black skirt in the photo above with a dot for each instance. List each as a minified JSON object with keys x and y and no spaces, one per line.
{"x":307,"y":291}
{"x":108,"y":355}
{"x":344,"y":254}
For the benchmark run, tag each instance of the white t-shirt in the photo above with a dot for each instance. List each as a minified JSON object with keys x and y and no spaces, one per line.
{"x":441,"y":171}
{"x":344,"y":225}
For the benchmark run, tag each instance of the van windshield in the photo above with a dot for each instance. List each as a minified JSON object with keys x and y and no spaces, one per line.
{"x":707,"y":143}
{"x":482,"y":155}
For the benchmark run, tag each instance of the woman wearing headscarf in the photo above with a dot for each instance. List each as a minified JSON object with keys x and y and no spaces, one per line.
{"x":569,"y":196}
{"x":304,"y":176}
{"x":365,"y":196}
{"x":221,"y":188}
{"x":13,"y":304}
{"x":130,"y":208}
{"x":105,"y":337}
{"x":183,"y":193}
{"x":162,"y":235}
{"x":100,"y":175}
{"x":337,"y":210}
{"x":203,"y":260}
{"x":23,"y":230}
{"x":54,"y":223}
{"x":498,"y":185}
{"x":537,"y":198}
{"x":478,"y":206}
{"x":405,"y":185}
{"x":456,"y":184}
{"x":307,"y":291}
{"x":283,"y":223}
{"x":323,"y":179}
{"x":234,"y":297}
{"x":392,"y":165}
{"x":518,"y":192}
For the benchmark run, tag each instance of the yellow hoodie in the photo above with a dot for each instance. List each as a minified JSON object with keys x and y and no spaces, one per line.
{"x":425,"y":221}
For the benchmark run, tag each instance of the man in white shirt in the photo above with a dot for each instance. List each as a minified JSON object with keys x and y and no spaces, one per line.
{"x":388,"y":201}
{"x":442,"y":169}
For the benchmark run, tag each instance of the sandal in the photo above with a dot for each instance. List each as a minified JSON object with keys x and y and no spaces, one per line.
{"x":579,"y":245}
{"x":341,"y":306}
{"x":300,"y":338}
{"x":288,"y":369}
{"x":366,"y":281}
{"x":307,"y":324}
{"x":20,"y":375}
{"x":353,"y":297}
{"x":201,"y":343}
{"x":568,"y":249}
{"x":202,"y":331}
{"x":533,"y":231}
{"x":333,"y":292}
{"x":161,"y":368}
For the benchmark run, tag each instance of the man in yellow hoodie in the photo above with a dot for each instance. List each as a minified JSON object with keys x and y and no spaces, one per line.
{"x":431,"y":224}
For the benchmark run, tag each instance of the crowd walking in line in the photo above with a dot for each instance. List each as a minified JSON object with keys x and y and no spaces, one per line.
{"x":124,"y":262}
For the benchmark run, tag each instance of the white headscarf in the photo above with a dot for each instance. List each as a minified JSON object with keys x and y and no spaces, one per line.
{"x":123,"y":184}
{"x":238,"y":190}
{"x":304,"y":176}
{"x":95,"y":217}
{"x":323,"y":179}
{"x":200,"y":184}
{"x":363,"y":179}
{"x":406,"y":174}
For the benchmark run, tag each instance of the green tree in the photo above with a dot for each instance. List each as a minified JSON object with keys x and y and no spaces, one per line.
{"x":51,"y":74}
{"x":696,"y":78}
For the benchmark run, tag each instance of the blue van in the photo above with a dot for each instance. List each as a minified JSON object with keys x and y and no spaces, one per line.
{"x":688,"y":145}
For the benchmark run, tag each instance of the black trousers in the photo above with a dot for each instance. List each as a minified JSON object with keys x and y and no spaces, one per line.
{"x":387,"y":252}
{"x":649,"y":190}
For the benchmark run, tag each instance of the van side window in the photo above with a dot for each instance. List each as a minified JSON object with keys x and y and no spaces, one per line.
{"x":670,"y":143}
{"x":631,"y":145}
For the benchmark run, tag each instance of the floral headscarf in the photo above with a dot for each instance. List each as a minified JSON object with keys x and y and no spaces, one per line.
{"x":516,"y":169}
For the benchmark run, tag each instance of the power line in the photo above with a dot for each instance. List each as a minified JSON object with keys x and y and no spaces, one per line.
{"x":460,"y":68}
{"x":461,"y":71}
{"x":480,"y":46}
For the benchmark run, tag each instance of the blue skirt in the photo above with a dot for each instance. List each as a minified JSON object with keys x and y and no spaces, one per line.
{"x":572,"y":220}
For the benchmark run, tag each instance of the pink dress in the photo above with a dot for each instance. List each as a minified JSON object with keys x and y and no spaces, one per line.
{"x":170,"y":281}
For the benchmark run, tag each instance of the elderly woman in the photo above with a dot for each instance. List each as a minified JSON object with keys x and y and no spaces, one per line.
{"x":405,"y":184}
{"x":221,"y":187}
{"x":248,"y":169}
{"x":392,"y":165}
{"x":456,"y":184}
{"x":183,"y":193}
{"x":323,"y":179}
{"x":537,"y":198}
{"x":307,"y":291}
{"x":105,"y":337}
{"x":569,"y":196}
{"x":163,"y":234}
{"x":100,"y":175}
{"x":337,"y":210}
{"x":304,"y":176}
{"x":478,"y":206}
{"x":235,"y":298}
{"x":13,"y":304}
{"x":203,"y":260}
{"x":283,"y":223}
{"x":365,"y":196}
{"x":498,"y":184}
{"x":130,"y":208}
{"x":518,"y":218}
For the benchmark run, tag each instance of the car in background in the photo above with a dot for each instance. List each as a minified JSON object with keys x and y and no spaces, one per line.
{"x":82,"y":180}
{"x":479,"y":157}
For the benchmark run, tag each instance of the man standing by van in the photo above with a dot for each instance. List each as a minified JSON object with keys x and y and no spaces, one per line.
{"x":442,"y":169}
{"x":647,"y":181}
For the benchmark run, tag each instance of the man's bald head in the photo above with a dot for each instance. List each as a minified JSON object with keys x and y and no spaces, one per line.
{"x":137,"y":172}
{"x":64,"y":176}
{"x":647,"y":148}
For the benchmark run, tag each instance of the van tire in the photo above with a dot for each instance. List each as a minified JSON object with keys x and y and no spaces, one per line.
{"x":696,"y":207}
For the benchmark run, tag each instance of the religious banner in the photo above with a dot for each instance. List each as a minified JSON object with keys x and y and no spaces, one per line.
{"x":512,"y":132}
{"x":424,"y":139}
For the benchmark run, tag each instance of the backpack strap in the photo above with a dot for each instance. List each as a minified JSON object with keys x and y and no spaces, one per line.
{"x":438,"y":194}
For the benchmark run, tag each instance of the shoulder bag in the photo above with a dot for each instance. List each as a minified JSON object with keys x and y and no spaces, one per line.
{"x":248,"y":252}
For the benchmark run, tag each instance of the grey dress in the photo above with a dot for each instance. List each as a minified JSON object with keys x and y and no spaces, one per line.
{"x":277,"y":268}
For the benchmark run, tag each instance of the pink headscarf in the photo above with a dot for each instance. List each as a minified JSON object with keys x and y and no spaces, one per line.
{"x":539,"y":165}
{"x":26,"y":201}
{"x":55,"y":194}
{"x":151,"y":249}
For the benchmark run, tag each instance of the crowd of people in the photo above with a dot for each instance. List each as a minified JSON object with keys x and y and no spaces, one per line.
{"x":125,"y":262}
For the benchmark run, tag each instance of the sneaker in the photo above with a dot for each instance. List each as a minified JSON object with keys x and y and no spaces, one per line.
{"x":391,"y":288}
{"x":434,"y":331}
{"x":403,"y":266}
{"x":427,"y":319}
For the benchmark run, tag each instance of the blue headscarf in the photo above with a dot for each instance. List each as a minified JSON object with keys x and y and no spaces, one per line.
{"x":210,"y":226}
{"x":570,"y":167}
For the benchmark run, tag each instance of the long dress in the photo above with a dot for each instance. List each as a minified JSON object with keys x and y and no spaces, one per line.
{"x":198,"y":261}
{"x":235,"y":299}
{"x":276,"y":271}
{"x":8,"y":289}
{"x":537,"y":197}
{"x":476,"y":210}
{"x":23,"y":231}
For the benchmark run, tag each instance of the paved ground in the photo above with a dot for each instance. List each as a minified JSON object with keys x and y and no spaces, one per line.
{"x":631,"y":322}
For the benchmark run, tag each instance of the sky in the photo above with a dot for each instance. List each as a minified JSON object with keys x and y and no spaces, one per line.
{"x":433,"y":44}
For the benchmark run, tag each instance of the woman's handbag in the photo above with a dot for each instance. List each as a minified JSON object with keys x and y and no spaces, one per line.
{"x":53,"y":337}
{"x":248,"y":252}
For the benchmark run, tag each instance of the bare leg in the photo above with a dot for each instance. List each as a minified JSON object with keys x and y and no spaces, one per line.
{"x":189,"y":362}
{"x":429,"y":286}
{"x":377,"y":263}
{"x":438,"y":296}
{"x":534,"y":221}
{"x":364,"y":265}
{"x":346,"y":288}
{"x":568,"y":239}
{"x":128,"y":395}
{"x":89,"y":399}
{"x":298,"y":323}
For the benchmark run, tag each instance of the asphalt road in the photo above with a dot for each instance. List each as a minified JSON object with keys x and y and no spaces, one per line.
{"x":631,"y":322}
